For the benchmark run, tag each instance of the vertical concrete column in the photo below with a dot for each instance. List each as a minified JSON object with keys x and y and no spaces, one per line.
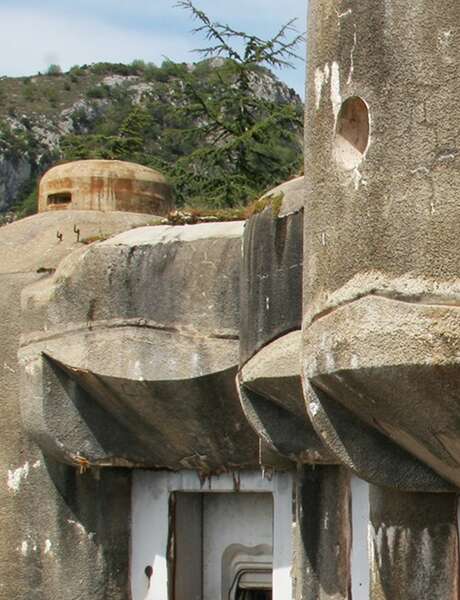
{"x":381,"y":296}
{"x":323,"y":534}
{"x":414,"y":541}
{"x":382,"y":147}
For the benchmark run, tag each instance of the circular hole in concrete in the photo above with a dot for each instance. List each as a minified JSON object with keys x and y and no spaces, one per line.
{"x":351,"y":133}
{"x":148,"y":571}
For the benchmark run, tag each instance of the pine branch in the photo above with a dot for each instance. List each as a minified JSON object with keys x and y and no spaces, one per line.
{"x":211,"y":30}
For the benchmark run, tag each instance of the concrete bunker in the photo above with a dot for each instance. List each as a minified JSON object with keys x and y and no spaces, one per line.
{"x":380,"y":370}
{"x":103,"y":398}
{"x":351,"y":133}
{"x":105,"y":185}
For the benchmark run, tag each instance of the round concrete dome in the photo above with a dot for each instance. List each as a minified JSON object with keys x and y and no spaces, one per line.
{"x":106,"y":185}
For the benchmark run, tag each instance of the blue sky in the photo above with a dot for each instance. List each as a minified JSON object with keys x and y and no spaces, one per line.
{"x":35,"y":33}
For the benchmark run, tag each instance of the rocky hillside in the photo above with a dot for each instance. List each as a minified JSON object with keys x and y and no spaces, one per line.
{"x":135,"y":112}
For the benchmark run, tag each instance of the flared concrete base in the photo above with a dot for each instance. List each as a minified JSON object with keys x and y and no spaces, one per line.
{"x":270,"y":392}
{"x":384,"y":369}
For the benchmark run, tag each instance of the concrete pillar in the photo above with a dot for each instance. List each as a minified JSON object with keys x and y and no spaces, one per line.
{"x":323,"y":534}
{"x":381,"y":317}
{"x":414,"y":541}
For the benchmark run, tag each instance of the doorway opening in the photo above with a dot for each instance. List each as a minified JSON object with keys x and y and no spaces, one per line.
{"x":221,"y":546}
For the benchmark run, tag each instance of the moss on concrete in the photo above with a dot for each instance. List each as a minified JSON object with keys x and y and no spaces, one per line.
{"x":273,"y":201}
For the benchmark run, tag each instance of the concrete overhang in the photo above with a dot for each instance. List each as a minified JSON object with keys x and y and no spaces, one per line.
{"x":271,"y":395}
{"x":382,"y":390}
{"x":132,"y":353}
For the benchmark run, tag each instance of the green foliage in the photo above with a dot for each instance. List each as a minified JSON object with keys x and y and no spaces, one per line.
{"x":192,"y":129}
{"x":14,"y":142}
{"x":138,"y":65}
{"x":54,"y":70}
{"x":77,"y":71}
{"x":18,"y":144}
{"x":151,"y":72}
{"x":127,"y":143}
{"x":171,"y":69}
{"x":28,"y":206}
{"x":97,"y":92}
{"x":274,"y":201}
{"x":29,"y":91}
{"x":105,"y":68}
{"x":51,"y":94}
{"x":206,"y":126}
{"x":247,"y":142}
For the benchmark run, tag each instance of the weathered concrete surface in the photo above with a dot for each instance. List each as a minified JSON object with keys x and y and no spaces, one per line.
{"x":271,"y":396}
{"x":381,"y":290}
{"x":31,"y":244}
{"x":396,"y":215}
{"x":105,"y":185}
{"x":322,"y":534}
{"x":270,"y":344}
{"x":132,"y":352}
{"x":414,"y":541}
{"x":293,"y":192}
{"x":271,"y":278}
{"x":367,"y":452}
{"x":394,"y":402}
{"x":51,"y":517}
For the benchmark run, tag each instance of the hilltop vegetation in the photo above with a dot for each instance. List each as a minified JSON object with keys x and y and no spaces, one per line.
{"x":144,"y":113}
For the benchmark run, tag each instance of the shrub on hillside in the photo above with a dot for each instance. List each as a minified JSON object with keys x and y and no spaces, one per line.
{"x":54,"y":70}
